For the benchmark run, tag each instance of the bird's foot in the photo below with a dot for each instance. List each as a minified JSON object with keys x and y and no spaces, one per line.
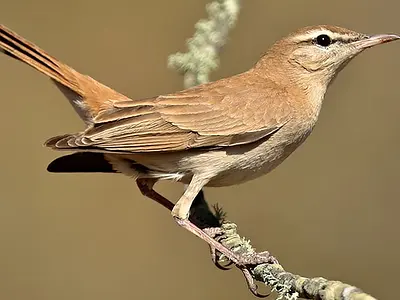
{"x":220,"y":261}
{"x":243,"y":262}
{"x":247,"y":259}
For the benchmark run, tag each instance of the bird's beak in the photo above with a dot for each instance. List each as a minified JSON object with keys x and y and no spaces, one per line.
{"x":374,"y":40}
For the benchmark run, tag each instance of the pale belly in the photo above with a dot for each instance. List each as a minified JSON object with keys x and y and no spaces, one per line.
{"x":253,"y":164}
{"x":232,"y":166}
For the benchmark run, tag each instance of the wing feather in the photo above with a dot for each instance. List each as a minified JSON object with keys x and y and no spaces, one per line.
{"x":218,"y":114}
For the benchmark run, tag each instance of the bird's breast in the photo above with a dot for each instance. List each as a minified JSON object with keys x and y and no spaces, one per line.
{"x":244,"y":163}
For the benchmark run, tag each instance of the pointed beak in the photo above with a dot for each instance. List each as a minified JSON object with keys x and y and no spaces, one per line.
{"x":374,"y":40}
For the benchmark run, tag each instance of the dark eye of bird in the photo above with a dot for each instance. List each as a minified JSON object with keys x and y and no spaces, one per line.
{"x":323,"y":40}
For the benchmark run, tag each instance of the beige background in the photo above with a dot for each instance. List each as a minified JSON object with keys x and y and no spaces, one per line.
{"x":331,"y":210}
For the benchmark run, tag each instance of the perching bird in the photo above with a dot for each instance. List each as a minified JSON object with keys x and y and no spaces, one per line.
{"x":216,"y":134}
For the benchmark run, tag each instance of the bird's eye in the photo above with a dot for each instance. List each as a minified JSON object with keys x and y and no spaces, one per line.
{"x":323,"y":40}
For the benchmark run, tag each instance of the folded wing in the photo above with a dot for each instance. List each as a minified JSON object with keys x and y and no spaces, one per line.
{"x":224,"y":113}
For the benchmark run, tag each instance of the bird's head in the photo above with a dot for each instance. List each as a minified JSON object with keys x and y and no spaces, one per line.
{"x":314,"y":55}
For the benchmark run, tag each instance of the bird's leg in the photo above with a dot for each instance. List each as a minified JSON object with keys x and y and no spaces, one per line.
{"x":145,"y":186}
{"x":181,"y":214}
{"x":181,"y":210}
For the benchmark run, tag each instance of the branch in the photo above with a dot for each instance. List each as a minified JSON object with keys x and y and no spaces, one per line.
{"x":196,"y":65}
{"x":288,"y":286}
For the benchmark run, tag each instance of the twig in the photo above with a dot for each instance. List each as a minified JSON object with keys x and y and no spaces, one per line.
{"x":287,"y":285}
{"x":196,"y":65}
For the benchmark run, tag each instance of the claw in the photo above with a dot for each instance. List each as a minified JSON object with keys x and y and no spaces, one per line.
{"x":213,"y":232}
{"x":215,"y":259}
{"x":251,"y":284}
{"x":223,"y":267}
{"x":243,"y":262}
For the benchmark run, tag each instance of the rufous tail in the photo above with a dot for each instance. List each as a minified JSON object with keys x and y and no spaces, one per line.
{"x":88,"y":96}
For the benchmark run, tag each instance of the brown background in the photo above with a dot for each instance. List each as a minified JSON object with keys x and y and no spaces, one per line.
{"x":331,"y":210}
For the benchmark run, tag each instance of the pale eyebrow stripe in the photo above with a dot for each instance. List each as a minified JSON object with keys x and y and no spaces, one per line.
{"x":334,"y":36}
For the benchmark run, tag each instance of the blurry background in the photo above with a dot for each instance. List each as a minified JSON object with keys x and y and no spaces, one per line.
{"x":330,"y":210}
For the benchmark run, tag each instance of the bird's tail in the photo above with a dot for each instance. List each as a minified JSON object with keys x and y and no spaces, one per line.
{"x":19,"y":48}
{"x":86,"y":94}
{"x":81,"y":162}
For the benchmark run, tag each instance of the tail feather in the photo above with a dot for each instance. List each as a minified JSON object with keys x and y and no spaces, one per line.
{"x":21,"y":49}
{"x":81,"y":162}
{"x":87,"y":96}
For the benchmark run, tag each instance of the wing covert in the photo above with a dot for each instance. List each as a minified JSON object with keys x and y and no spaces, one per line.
{"x":217,"y":114}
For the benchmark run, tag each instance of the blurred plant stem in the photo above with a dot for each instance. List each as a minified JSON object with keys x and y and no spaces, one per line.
{"x":196,"y":65}
{"x":203,"y":48}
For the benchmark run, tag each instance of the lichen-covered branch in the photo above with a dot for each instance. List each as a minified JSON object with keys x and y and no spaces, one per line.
{"x":287,"y":285}
{"x":196,"y":65}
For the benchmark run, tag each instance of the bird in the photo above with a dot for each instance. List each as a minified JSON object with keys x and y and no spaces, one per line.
{"x":216,"y":134}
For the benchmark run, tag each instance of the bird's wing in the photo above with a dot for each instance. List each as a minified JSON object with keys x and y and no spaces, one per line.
{"x":219,"y":114}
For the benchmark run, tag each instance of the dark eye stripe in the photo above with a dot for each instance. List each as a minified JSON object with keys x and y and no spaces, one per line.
{"x":348,"y":39}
